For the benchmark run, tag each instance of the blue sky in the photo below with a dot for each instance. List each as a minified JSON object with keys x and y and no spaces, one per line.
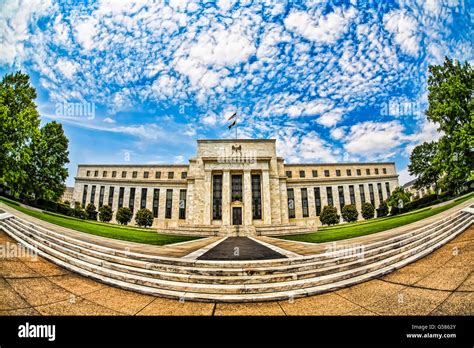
{"x":331,"y":81}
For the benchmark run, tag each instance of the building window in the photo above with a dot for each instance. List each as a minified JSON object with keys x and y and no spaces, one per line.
{"x":145,"y":175}
{"x":96,"y":173}
{"x":371,"y":194}
{"x":143,"y":198}
{"x":342,"y":203}
{"x":131,"y":200}
{"x":387,"y":187}
{"x":352,"y":194}
{"x":256,"y":198}
{"x":121,"y":193}
{"x":348,"y":172}
{"x":315,"y":173}
{"x":302,"y":174}
{"x":304,"y":202}
{"x":326,"y":173}
{"x":157,"y":175}
{"x":236,"y":188}
{"x":101,"y":196}
{"x":217,"y":197}
{"x":114,"y":174}
{"x":338,"y":172}
{"x":84,"y":195}
{"x":367,"y":171}
{"x":317,"y":200}
{"x":184,"y":175}
{"x":111,"y":196}
{"x":169,"y":203}
{"x":124,"y":174}
{"x":134,"y":174}
{"x":156,"y":202}
{"x":288,"y":174}
{"x":359,"y":172}
{"x":376,"y":171}
{"x":92,"y":194}
{"x":291,"y":203}
{"x":379,"y":188}
{"x":362,"y":194}
{"x":329,"y":195}
{"x":182,"y":204}
{"x":384,"y":170}
{"x":170,"y":175}
{"x":88,"y":173}
{"x":104,"y":174}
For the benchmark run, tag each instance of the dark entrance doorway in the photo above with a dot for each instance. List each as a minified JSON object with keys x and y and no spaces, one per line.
{"x":236,"y":216}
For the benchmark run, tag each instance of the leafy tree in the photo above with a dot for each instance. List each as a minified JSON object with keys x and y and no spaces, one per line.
{"x":91,"y":211}
{"x":382,"y":210}
{"x":19,"y":122}
{"x":144,"y":217}
{"x":349,"y":213}
{"x":424,"y":165}
{"x":80,"y":213}
{"x":451,"y":107}
{"x":397,"y":194}
{"x":49,"y":156}
{"x":105,"y":213}
{"x":329,"y":215}
{"x":367,"y":211}
{"x":124,"y":216}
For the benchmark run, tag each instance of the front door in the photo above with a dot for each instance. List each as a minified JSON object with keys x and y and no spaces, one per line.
{"x":236,"y":216}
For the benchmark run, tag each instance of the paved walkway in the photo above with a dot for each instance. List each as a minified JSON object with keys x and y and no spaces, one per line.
{"x":439,"y":284}
{"x":240,"y":248}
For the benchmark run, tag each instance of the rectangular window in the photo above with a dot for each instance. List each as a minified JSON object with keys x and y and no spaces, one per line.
{"x":315,"y":173}
{"x":359,"y":172}
{"x":379,"y":188}
{"x":104,"y":174}
{"x":131,"y":200}
{"x":304,"y":202}
{"x":134,"y":174}
{"x":348,"y":172}
{"x":182,"y":204}
{"x":291,"y":203}
{"x":367,"y":171}
{"x":114,"y":174}
{"x":157,"y":175}
{"x":340,"y":190}
{"x":156,"y":202}
{"x":302,"y":174}
{"x":217,"y":197}
{"x":88,"y":173}
{"x":121,"y":193}
{"x":111,"y":196}
{"x":143,"y":198}
{"x":317,"y":199}
{"x":101,"y":196}
{"x":288,"y":174}
{"x":145,"y":175}
{"x":184,"y":175}
{"x":256,"y":198}
{"x":329,"y":195}
{"x":371,"y":194}
{"x":169,"y":203}
{"x":338,"y":172}
{"x":92,"y":193}
{"x":96,"y":173}
{"x":326,"y":173}
{"x":236,"y":188}
{"x":384,"y":170}
{"x":362,"y":194}
{"x":170,"y":175}
{"x":387,"y":187}
{"x":376,"y":170}
{"x":84,"y":195}
{"x":124,"y":174}
{"x":352,"y":194}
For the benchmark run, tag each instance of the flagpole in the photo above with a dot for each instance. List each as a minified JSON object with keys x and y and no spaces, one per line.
{"x":236,"y":118}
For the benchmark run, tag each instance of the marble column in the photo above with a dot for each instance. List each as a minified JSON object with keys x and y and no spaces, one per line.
{"x":207,"y":214}
{"x":265,"y":185}
{"x":226,"y":197}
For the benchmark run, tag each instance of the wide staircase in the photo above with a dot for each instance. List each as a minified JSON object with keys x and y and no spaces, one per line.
{"x":236,"y":281}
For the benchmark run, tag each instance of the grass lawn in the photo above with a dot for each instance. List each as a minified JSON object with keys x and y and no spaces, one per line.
{"x":362,"y":228}
{"x":131,"y":234}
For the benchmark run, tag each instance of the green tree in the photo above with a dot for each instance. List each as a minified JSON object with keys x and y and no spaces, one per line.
{"x":19,"y":122}
{"x":144,"y":217}
{"x":424,"y":165}
{"x":451,"y":107}
{"x":367,"y":210}
{"x":124,"y":216}
{"x":349,"y":213}
{"x":49,"y":156}
{"x":105,"y":213}
{"x":382,"y":210}
{"x":329,"y":215}
{"x":91,"y":211}
{"x":397,"y":194}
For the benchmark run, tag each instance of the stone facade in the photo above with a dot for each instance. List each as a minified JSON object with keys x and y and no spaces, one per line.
{"x":235,"y":183}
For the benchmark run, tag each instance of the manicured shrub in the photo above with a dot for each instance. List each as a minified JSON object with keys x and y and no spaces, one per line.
{"x":65,"y":209}
{"x":329,"y":216}
{"x":124,"y":216}
{"x":105,"y":213}
{"x":367,"y":210}
{"x":144,"y":217}
{"x":349,"y":213}
{"x":80,"y":213}
{"x":395,"y":211}
{"x":382,"y":210}
{"x":91,"y":211}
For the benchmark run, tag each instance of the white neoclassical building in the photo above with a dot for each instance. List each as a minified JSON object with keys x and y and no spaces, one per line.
{"x":235,"y":186}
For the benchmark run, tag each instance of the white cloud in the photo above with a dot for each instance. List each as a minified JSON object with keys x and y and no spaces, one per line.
{"x":404,"y":176}
{"x":67,"y":68}
{"x":338,"y":133}
{"x":405,"y":29}
{"x":108,"y":120}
